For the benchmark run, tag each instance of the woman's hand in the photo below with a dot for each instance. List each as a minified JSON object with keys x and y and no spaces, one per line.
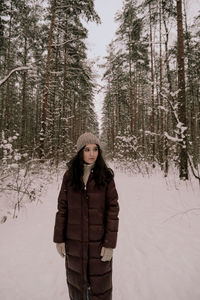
{"x":106,"y":254}
{"x":61,"y":249}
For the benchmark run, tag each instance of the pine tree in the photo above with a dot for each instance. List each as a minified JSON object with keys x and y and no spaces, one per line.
{"x":181,"y":94}
{"x":69,"y":107}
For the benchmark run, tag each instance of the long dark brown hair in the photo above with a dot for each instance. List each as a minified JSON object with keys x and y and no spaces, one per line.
{"x":102,"y":173}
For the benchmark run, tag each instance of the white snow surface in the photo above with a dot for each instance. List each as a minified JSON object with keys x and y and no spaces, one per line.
{"x":158,"y":249}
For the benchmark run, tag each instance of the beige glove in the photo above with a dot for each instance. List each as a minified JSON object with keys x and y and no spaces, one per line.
{"x":107,"y":254}
{"x":61,"y":249}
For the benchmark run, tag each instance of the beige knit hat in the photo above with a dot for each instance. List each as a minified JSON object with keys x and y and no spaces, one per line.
{"x":87,"y":138}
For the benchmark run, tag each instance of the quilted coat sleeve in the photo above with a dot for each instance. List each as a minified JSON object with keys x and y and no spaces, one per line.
{"x":111,"y":216}
{"x":61,"y":215}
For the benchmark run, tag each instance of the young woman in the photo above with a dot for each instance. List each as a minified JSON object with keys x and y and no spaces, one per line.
{"x":86,"y":223}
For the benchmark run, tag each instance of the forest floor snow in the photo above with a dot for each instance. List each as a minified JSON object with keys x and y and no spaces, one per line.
{"x":158,"y":249}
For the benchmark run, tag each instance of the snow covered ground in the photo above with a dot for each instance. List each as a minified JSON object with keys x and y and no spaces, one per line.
{"x":157,"y":255}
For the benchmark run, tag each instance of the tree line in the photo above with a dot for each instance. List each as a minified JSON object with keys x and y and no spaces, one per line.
{"x":151,"y":108}
{"x":46,"y":80}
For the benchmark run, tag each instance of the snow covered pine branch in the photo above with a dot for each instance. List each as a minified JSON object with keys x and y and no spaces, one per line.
{"x":12,"y":71}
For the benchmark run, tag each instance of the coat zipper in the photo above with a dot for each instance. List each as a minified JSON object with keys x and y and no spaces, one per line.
{"x":85,"y":189}
{"x":82,"y":243}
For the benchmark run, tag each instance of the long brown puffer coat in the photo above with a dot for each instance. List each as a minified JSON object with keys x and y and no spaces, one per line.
{"x":87,"y":220}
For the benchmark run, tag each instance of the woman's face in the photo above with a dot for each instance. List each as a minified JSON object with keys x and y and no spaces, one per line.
{"x":90,"y":153}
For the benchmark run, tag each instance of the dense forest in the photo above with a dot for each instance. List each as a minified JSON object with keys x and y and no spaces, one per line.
{"x":151,"y":109}
{"x":47,"y":97}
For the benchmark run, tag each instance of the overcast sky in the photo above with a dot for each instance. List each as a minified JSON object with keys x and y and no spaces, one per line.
{"x":99,"y":36}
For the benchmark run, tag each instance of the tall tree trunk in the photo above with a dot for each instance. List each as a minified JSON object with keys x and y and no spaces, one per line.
{"x":183,"y":168}
{"x":24,"y":110}
{"x":47,"y":79}
{"x":161,"y":89}
{"x":135,"y":104}
{"x":131,"y":89}
{"x":37,"y":117}
{"x":143,"y":119}
{"x":152,"y":89}
{"x":74,"y":119}
{"x":117,"y":108}
{"x":64,"y":100}
{"x":192,"y":113}
{"x":53,"y":106}
{"x":64,"y":81}
{"x":169,"y":80}
{"x":8,"y":102}
{"x":112,"y":102}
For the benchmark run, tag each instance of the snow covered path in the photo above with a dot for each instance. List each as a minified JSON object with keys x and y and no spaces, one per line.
{"x":157,"y":255}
